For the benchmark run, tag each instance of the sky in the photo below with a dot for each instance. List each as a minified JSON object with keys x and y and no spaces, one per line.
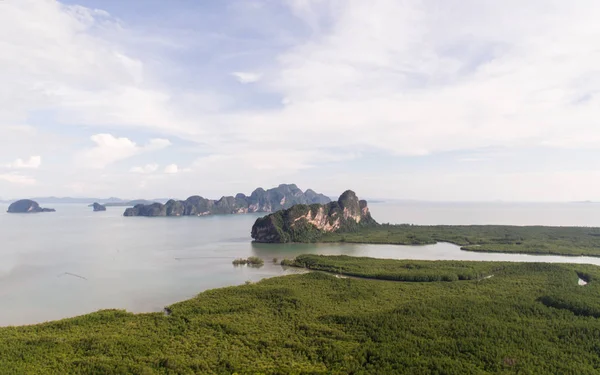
{"x":442,"y":100}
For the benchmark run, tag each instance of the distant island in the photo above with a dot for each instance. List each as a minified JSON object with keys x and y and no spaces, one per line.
{"x":27,"y":206}
{"x":108,"y":202}
{"x":71,"y":200}
{"x":126,"y":203}
{"x":308,"y":223}
{"x":271,"y":200}
{"x":98,"y":207}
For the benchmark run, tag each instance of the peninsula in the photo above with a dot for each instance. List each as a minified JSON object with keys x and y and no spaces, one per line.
{"x":27,"y":206}
{"x":349,"y":221}
{"x":271,"y":200}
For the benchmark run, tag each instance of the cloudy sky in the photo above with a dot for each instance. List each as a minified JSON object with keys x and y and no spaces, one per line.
{"x":431,"y":99}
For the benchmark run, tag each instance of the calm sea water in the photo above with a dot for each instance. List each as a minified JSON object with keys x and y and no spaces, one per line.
{"x":75,"y":261}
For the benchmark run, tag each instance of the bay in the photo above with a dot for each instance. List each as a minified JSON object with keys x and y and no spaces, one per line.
{"x":75,"y":261}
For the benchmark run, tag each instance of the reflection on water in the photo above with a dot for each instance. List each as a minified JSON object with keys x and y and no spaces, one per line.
{"x":75,"y":261}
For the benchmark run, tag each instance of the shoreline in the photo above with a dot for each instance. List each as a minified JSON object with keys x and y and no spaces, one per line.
{"x":303,"y":270}
{"x":571,"y":241}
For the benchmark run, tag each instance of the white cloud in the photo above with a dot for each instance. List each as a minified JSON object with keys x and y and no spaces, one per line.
{"x":404,"y":78}
{"x":18,"y":179}
{"x":274,"y":163}
{"x":157,"y":144}
{"x":171,"y":169}
{"x":33,"y":162}
{"x":246,"y":77}
{"x":110,"y":149}
{"x":74,"y":65}
{"x":78,"y":187}
{"x":148,"y":168}
{"x":413,"y":79}
{"x":472,"y":160}
{"x":313,"y":12}
{"x":385,"y":76}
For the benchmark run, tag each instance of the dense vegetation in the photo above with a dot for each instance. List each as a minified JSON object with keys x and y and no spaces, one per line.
{"x":250,"y":261}
{"x":485,"y":238}
{"x":406,"y":270}
{"x":526,"y":319}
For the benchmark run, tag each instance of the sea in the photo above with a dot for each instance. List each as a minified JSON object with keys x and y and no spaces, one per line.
{"x":75,"y":261}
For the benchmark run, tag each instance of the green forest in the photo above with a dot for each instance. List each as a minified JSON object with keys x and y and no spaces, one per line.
{"x":389,"y":317}
{"x":571,"y":241}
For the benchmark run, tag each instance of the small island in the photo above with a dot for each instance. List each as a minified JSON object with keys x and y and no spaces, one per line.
{"x":98,"y":207}
{"x":27,"y":206}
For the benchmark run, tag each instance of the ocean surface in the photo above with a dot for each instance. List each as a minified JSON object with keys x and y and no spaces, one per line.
{"x":75,"y":261}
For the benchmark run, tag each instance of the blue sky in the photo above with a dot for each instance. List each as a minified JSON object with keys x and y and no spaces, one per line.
{"x":433,"y":100}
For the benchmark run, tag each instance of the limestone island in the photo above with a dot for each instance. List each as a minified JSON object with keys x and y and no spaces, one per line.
{"x":27,"y":206}
{"x":98,"y":207}
{"x":308,"y":223}
{"x":282,"y":197}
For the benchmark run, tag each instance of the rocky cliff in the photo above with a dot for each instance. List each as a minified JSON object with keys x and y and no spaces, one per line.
{"x":307,"y":223}
{"x":271,"y":200}
{"x":27,"y":206}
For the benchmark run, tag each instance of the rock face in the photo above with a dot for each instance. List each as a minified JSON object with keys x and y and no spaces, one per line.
{"x":27,"y":206}
{"x":281,"y":197}
{"x":98,"y":207}
{"x":307,"y":223}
